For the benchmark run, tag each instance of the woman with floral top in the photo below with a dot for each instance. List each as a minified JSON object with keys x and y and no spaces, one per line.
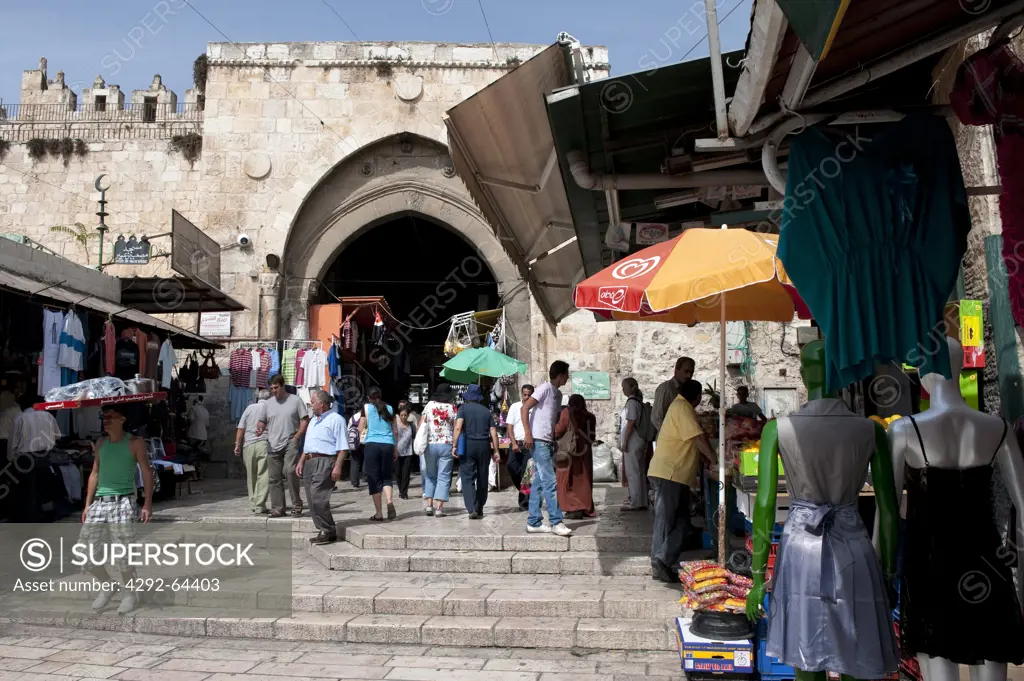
{"x":439,"y":420}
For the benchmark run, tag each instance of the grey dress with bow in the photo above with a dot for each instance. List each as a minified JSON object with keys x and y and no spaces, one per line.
{"x":829,"y":609}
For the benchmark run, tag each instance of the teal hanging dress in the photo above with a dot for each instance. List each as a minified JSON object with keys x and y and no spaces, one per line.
{"x":873,"y":231}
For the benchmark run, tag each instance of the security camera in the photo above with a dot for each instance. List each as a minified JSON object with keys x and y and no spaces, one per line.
{"x":243,"y":240}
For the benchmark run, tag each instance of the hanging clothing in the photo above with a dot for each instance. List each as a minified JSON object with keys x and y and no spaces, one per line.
{"x":139,"y":338}
{"x":829,"y":607}
{"x":334,"y":361}
{"x":240,"y":368}
{"x":263,"y":372}
{"x":167,"y":359}
{"x":109,"y":347}
{"x":314,"y":368}
{"x":288,"y":365}
{"x":275,"y":362}
{"x":152,"y":355}
{"x":942,"y":614}
{"x":254,"y":370}
{"x":378,"y":334}
{"x":126,"y":359}
{"x":300,"y":373}
{"x":874,"y":247}
{"x":239,"y":397}
{"x":49,"y":371}
{"x":72,"y":479}
{"x":989,"y":90}
{"x":72,"y":343}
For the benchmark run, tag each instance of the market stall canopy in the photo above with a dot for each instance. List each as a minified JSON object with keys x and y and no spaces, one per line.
{"x":871,"y":54}
{"x":502,"y":149}
{"x":160,"y":295}
{"x":469,"y":365}
{"x":625,"y":149}
{"x":62,"y":283}
{"x":63,"y":297}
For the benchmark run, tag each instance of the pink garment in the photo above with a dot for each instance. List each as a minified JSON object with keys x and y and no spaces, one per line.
{"x":300,"y":374}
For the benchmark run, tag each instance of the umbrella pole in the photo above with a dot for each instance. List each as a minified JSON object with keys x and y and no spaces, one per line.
{"x":721,"y":439}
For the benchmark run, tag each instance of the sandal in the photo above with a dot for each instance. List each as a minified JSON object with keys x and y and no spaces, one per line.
{"x":392,"y":513}
{"x":377,"y":518}
{"x":296,"y":512}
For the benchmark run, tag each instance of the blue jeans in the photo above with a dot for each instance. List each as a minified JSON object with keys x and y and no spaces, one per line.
{"x":437,"y":475}
{"x":543,"y":484}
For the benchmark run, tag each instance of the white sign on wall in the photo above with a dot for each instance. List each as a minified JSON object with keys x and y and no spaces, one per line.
{"x":215,"y":324}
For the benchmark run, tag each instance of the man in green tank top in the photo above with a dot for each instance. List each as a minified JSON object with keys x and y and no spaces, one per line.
{"x":110,"y":503}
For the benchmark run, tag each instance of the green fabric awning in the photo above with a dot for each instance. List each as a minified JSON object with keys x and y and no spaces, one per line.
{"x":469,"y":365}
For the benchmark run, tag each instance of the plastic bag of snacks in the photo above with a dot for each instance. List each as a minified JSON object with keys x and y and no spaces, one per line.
{"x":693,"y":601}
{"x":700,"y":570}
{"x":733,"y":605}
{"x":740,"y":580}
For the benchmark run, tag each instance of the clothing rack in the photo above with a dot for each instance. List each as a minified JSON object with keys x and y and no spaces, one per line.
{"x":303,"y":344}
{"x":256,"y":345}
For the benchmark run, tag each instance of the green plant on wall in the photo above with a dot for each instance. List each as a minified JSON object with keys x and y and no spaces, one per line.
{"x":714,"y":396}
{"x":36,"y":149}
{"x":190,"y":146}
{"x":81,"y":234}
{"x":200,"y":70}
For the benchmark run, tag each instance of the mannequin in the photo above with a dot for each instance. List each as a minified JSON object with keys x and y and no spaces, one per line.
{"x":829,"y":609}
{"x":957,"y":594}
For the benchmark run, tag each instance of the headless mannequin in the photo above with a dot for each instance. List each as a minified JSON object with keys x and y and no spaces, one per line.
{"x":812,"y":372}
{"x":956,"y":437}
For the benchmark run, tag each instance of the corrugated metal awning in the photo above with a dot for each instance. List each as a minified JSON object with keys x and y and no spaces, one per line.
{"x":64,"y":297}
{"x":502,"y":148}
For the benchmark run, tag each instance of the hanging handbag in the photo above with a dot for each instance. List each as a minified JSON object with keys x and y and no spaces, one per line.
{"x":210,"y":370}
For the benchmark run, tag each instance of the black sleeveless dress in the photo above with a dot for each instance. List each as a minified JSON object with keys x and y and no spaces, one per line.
{"x":957,"y":600}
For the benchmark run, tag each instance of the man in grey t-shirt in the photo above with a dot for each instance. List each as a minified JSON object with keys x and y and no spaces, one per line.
{"x":251,"y":444}
{"x":538,"y":414}
{"x":287,"y":418}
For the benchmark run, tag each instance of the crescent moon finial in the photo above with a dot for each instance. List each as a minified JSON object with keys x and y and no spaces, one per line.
{"x":99,"y":179}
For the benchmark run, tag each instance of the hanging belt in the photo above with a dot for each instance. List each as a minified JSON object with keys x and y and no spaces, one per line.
{"x":835,"y":555}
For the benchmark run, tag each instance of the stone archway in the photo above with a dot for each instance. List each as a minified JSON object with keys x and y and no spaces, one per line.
{"x":405,"y":174}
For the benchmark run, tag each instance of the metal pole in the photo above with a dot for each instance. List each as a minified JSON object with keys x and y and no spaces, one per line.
{"x":102,"y":227}
{"x":717,"y":77}
{"x":722,"y":551}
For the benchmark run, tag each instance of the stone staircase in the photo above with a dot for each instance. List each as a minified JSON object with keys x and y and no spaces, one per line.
{"x":436,"y":581}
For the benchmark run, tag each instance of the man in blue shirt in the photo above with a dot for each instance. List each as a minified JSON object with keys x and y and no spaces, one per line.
{"x":321,"y":461}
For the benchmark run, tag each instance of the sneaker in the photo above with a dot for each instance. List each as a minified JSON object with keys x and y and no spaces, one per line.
{"x":429,"y":510}
{"x":474,"y":515}
{"x":103,"y":599}
{"x":128,"y":603}
{"x":561,"y":530}
{"x":542,"y":529}
{"x":439,"y":513}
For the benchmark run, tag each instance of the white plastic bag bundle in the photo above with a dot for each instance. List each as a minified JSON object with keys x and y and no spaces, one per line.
{"x":604,"y":468}
{"x":617,"y":458}
{"x":90,"y":389}
{"x":616,"y":237}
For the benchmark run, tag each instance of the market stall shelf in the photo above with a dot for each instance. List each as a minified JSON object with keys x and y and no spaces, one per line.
{"x":100,"y":401}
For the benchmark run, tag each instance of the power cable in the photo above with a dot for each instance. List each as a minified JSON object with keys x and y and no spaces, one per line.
{"x":487,"y":25}
{"x":720,"y":21}
{"x":340,"y":18}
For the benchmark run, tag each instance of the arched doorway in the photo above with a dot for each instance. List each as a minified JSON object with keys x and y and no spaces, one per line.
{"x":374,"y":194}
{"x":426,"y":272}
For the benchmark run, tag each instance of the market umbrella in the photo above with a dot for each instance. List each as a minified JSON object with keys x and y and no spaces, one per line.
{"x":702,"y":275}
{"x":470,"y":364}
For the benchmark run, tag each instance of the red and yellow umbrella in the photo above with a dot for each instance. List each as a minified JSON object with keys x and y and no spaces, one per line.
{"x":702,"y":275}
{"x":685,"y":279}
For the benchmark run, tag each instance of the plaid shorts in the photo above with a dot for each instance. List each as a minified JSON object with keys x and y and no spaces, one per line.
{"x":110,"y":521}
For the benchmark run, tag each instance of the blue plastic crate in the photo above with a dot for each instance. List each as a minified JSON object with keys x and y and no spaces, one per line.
{"x":770,"y":667}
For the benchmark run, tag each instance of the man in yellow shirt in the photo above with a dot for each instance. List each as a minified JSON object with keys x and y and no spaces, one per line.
{"x":674,"y":468}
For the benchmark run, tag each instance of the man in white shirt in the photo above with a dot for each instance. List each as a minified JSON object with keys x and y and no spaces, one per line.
{"x":199,"y":420}
{"x":33,"y":435}
{"x":539,"y":441}
{"x":517,"y":454}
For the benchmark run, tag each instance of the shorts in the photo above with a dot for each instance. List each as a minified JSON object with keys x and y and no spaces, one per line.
{"x":110,"y":522}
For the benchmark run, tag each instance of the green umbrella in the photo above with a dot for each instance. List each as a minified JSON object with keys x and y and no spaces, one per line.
{"x":469,"y":365}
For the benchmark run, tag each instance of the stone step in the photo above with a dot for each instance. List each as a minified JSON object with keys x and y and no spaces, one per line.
{"x":439,"y":630}
{"x":459,"y":534}
{"x":346,"y":557}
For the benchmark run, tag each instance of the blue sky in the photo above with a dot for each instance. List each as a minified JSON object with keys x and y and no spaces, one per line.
{"x":127,"y":41}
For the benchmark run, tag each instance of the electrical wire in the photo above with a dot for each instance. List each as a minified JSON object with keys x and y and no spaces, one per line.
{"x":340,"y":18}
{"x":487,"y":25}
{"x":720,"y":21}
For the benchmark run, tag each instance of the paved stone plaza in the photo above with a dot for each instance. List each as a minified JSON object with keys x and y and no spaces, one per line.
{"x":417,"y":580}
